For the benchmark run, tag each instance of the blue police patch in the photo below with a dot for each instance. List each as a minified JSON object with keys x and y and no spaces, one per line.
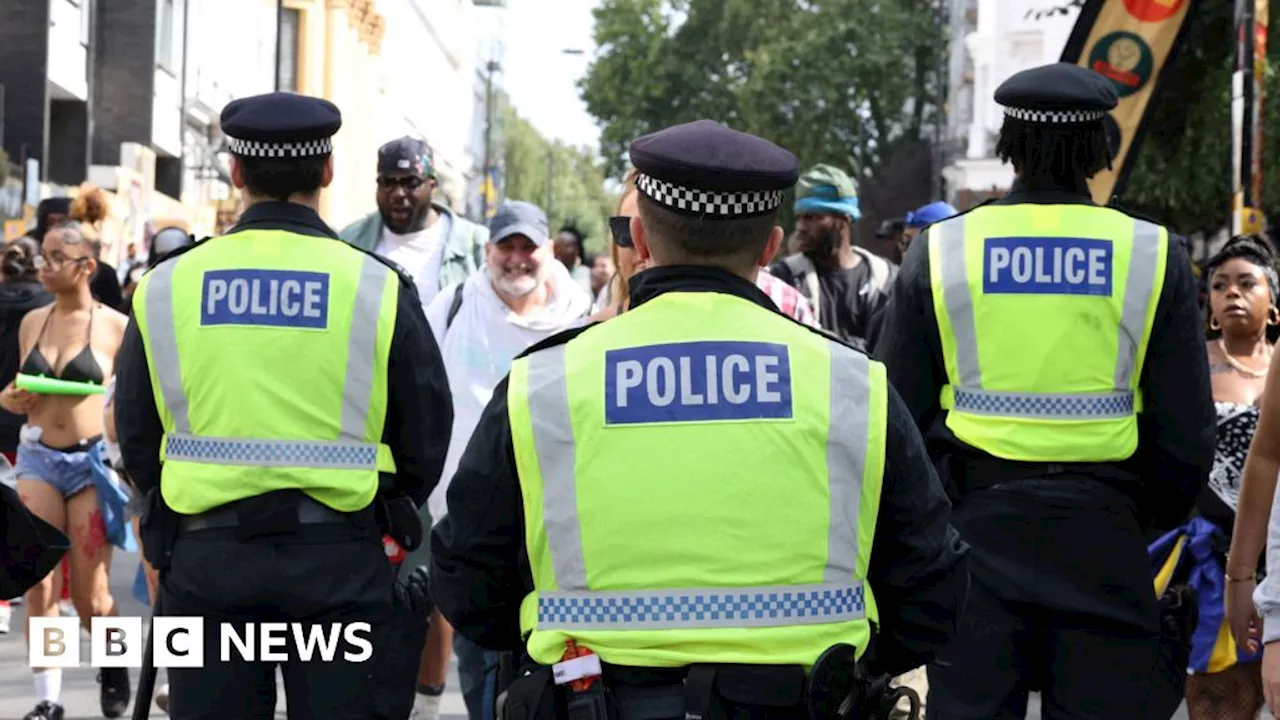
{"x":274,"y":298}
{"x":697,"y":381}
{"x":1046,"y":266}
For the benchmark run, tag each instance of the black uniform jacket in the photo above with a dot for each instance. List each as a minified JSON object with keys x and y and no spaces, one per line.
{"x":1176,"y":427}
{"x":419,"y":405}
{"x":480,"y":567}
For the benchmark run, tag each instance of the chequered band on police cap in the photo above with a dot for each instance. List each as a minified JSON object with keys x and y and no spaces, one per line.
{"x":253,"y":148}
{"x":1055,"y":116}
{"x":705,"y":202}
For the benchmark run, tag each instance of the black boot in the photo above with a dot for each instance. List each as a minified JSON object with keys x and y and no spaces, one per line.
{"x":115,"y":691}
{"x":45,"y":711}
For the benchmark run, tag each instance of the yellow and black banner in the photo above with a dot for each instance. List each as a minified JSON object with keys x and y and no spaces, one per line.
{"x":1131,"y":42}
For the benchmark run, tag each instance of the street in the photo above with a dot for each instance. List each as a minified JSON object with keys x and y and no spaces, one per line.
{"x":80,"y":689}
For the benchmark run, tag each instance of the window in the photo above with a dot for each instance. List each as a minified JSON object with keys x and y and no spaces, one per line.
{"x":166,"y":22}
{"x":86,"y":21}
{"x":290,"y":47}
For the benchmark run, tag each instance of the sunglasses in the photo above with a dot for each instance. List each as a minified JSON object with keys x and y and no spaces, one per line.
{"x":409,"y":182}
{"x":620,"y":228}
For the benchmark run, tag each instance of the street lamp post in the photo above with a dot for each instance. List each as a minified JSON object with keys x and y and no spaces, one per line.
{"x":490,"y":69}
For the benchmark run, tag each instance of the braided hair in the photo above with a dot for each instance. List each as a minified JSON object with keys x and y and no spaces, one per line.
{"x":1064,"y":152}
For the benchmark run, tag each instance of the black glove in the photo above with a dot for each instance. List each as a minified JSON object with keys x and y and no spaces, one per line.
{"x":413,"y":594}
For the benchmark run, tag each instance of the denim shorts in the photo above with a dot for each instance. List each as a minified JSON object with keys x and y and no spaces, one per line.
{"x":67,"y":470}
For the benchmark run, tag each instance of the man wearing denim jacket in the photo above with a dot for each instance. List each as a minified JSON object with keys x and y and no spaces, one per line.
{"x":435,"y":246}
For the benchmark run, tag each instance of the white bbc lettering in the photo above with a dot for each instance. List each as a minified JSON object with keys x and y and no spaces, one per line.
{"x":116,"y":642}
{"x":178,"y":642}
{"x":353,"y":637}
{"x":270,"y":642}
{"x":53,"y":642}
{"x":271,"y":296}
{"x":729,"y":379}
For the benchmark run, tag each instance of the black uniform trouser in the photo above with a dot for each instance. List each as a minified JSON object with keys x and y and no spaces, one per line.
{"x":1086,"y":668}
{"x":1060,"y":601}
{"x":224,"y":580}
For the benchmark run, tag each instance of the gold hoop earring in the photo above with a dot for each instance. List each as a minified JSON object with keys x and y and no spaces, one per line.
{"x":1273,"y":317}
{"x":1213,"y":323}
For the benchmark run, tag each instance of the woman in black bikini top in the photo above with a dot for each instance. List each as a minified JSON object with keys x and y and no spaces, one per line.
{"x":76,"y":339}
{"x":83,"y":368}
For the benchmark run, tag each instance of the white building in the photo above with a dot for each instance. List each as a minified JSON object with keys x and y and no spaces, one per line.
{"x":991,"y":40}
{"x":231,"y":53}
{"x":429,"y":62}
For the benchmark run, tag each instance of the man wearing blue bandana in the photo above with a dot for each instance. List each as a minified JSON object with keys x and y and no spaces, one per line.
{"x":846,"y":284}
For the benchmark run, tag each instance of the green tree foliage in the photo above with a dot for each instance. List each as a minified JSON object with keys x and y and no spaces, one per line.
{"x":565,"y":181}
{"x":848,"y":82}
{"x":1182,"y":172}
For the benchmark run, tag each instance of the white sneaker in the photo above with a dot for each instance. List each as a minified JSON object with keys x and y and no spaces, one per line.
{"x":6,"y":613}
{"x":425,"y":707}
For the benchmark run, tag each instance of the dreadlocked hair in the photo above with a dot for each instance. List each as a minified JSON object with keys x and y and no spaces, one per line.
{"x":1066,"y":151}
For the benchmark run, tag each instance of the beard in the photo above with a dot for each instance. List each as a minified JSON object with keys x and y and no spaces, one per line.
{"x":822,"y":245}
{"x":517,"y":279}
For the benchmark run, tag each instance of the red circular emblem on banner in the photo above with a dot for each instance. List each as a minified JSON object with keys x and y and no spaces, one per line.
{"x":1153,"y":10}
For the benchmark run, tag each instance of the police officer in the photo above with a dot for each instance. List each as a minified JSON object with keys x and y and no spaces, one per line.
{"x":1052,"y":352}
{"x":278,"y":387}
{"x":709,"y":488}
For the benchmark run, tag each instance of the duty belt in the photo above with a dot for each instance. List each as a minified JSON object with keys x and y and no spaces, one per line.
{"x":309,"y":512}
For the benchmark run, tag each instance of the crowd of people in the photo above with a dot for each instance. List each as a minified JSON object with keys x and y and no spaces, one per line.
{"x":491,"y":291}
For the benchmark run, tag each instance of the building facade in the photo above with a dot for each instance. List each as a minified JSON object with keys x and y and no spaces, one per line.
{"x":428,"y":53}
{"x":990,"y":41}
{"x":46,"y":71}
{"x":334,"y":53}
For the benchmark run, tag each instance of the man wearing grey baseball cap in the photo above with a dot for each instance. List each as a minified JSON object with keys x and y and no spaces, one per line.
{"x":521,"y":295}
{"x":434,"y":245}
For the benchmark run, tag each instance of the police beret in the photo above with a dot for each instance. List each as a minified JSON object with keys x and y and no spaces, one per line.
{"x":279,"y":125}
{"x":1057,"y":93}
{"x":704,"y":168}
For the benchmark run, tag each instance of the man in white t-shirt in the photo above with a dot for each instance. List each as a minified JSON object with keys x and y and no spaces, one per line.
{"x":435,"y":246}
{"x":522,"y":296}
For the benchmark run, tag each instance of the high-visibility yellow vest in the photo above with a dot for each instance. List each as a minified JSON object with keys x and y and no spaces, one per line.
{"x":268,"y":356}
{"x":1045,"y":312}
{"x":701,"y":479}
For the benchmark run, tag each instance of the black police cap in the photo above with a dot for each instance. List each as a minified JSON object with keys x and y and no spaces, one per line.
{"x":704,"y":168}
{"x":1057,"y":94}
{"x":280,"y":125}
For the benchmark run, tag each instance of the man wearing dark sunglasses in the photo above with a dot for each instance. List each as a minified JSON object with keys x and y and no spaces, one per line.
{"x":435,"y":246}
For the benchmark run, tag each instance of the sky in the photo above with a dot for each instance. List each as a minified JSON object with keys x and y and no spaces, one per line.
{"x":538,"y":76}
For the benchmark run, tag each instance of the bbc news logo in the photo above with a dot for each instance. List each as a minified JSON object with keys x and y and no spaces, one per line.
{"x":179,"y":642}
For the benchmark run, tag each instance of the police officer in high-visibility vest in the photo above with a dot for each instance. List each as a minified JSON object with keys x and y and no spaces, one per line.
{"x":1052,"y":352}
{"x":700,"y":488}
{"x":279,"y":388}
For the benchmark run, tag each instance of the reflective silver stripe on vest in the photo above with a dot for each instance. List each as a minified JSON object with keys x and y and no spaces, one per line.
{"x":271,"y":453}
{"x":839,"y":598}
{"x":362,"y":352}
{"x":161,"y":338}
{"x":770,"y":606}
{"x":362,"y":349}
{"x":970,"y":397}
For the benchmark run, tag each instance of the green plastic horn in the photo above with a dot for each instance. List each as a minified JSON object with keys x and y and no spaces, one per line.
{"x":52,"y":386}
